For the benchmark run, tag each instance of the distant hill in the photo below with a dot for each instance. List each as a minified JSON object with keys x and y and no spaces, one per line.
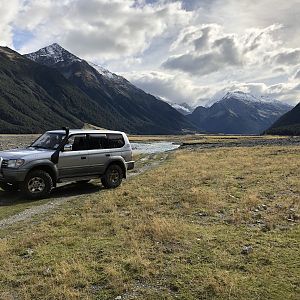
{"x":238,"y":113}
{"x":288,"y":124}
{"x":117,"y":103}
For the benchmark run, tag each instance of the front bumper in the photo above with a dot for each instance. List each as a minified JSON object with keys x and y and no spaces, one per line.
{"x":12,"y":175}
{"x":130,"y":165}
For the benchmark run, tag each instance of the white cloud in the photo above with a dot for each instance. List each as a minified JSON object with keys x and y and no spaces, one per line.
{"x":297,"y":74}
{"x":288,"y":57}
{"x":8,"y":13}
{"x":206,"y":47}
{"x":210,"y":49}
{"x":237,"y":16}
{"x":99,"y":29}
{"x":172,"y":87}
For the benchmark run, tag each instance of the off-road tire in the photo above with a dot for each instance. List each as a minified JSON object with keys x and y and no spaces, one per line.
{"x":37,"y":185}
{"x":112,"y":177}
{"x":9,"y":187}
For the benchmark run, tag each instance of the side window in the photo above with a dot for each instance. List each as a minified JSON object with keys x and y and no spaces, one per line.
{"x":105,"y":141}
{"x":78,"y":142}
{"x":115,"y":140}
{"x":97,"y":141}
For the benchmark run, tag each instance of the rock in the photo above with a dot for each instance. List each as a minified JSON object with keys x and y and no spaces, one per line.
{"x":47,"y":271}
{"x":265,"y":228}
{"x":118,"y":298}
{"x":202,"y":214}
{"x":247,"y":250}
{"x":29,"y":252}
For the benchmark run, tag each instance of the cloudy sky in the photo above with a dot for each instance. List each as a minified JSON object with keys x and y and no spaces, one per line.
{"x":184,"y":51}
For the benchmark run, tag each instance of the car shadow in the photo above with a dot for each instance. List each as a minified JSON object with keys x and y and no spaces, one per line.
{"x":61,"y":191}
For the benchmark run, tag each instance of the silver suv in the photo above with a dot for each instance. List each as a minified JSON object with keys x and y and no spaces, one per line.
{"x":66,"y":155}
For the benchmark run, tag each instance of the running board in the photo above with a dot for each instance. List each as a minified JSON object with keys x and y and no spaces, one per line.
{"x":68,"y":179}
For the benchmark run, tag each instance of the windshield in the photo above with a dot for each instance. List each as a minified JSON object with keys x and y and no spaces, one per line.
{"x":48,"y":141}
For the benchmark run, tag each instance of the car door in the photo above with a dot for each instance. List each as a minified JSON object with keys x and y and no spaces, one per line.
{"x":97,"y":153}
{"x":103,"y":148}
{"x":74,"y":163}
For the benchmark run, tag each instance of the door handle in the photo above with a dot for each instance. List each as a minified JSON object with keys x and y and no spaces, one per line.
{"x":83,"y":157}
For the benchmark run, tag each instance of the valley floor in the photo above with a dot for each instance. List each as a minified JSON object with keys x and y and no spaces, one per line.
{"x":205,"y":223}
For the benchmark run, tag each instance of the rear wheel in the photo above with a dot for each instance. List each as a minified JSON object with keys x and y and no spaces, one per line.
{"x":112,"y":177}
{"x":9,"y":187}
{"x":37,"y":185}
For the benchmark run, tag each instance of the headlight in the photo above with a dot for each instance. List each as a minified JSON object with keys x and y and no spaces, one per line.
{"x":15,"y":163}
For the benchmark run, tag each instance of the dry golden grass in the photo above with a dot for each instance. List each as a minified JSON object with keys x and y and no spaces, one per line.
{"x":174,"y":232}
{"x":201,"y":138}
{"x":187,"y":137}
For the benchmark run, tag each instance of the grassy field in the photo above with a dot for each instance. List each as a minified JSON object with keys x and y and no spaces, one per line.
{"x":206,"y":224}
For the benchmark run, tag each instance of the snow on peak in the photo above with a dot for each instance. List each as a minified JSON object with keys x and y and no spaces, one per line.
{"x":106,"y":73}
{"x":102,"y":71}
{"x":53,"y":52}
{"x":239,"y":95}
{"x":247,"y":97}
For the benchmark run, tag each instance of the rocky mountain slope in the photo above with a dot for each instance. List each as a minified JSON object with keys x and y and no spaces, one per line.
{"x":288,"y":124}
{"x":34,"y":98}
{"x":239,"y":113}
{"x":118,"y":103}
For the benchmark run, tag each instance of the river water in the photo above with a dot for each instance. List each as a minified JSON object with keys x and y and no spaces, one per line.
{"x":153,"y":147}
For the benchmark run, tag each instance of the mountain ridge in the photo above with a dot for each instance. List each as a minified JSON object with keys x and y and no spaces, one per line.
{"x":34,"y":98}
{"x":132,"y":109}
{"x":288,"y":124}
{"x":238,"y":113}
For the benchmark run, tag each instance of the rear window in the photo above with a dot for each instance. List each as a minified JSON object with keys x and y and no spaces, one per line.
{"x":106,"y":141}
{"x":115,"y":140}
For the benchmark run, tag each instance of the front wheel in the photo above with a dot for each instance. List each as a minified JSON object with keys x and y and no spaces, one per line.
{"x":112,"y":177}
{"x":37,"y":185}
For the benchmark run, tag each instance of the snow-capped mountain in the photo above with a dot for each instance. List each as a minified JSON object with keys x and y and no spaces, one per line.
{"x":183,"y":108}
{"x":52,"y":54}
{"x":118,"y":104}
{"x":105,"y":72}
{"x":239,"y":113}
{"x":247,"y":97}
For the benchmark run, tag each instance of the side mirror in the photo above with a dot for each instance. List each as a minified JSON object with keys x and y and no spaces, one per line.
{"x":67,"y":147}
